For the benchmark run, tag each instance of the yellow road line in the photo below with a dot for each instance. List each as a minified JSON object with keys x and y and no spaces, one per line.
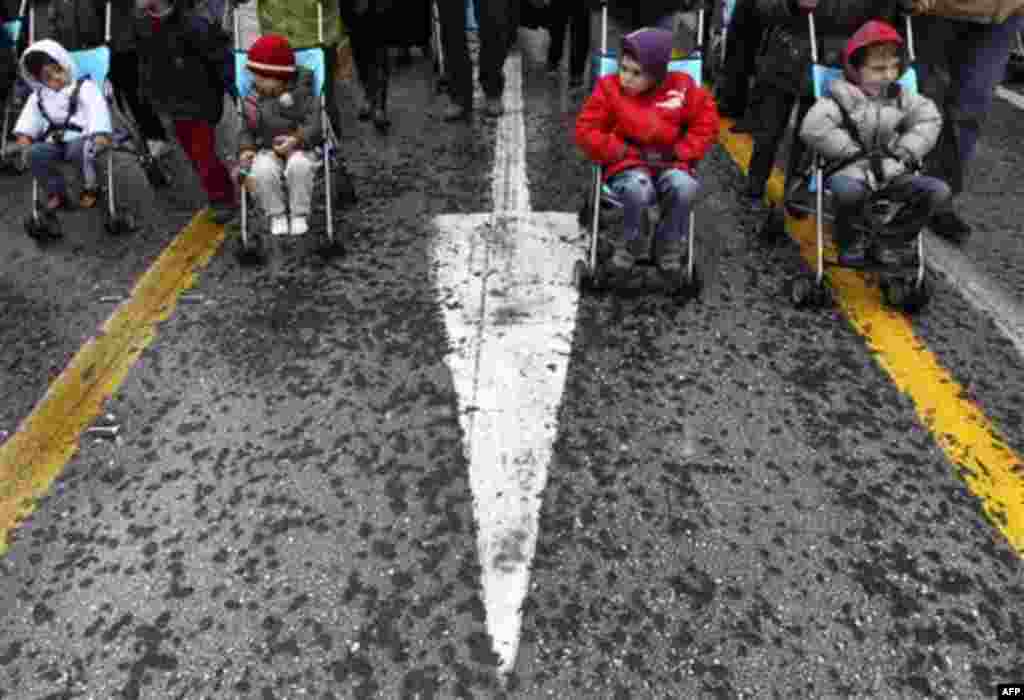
{"x":36,"y":454}
{"x":992,"y":470}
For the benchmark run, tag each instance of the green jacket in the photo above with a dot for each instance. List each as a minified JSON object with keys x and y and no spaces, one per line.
{"x":296,"y":20}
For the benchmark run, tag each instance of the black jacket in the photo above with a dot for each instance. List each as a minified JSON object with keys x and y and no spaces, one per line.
{"x":177,"y":66}
{"x":633,"y":14}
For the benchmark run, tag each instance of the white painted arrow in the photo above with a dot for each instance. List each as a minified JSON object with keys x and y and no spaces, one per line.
{"x":505,"y":284}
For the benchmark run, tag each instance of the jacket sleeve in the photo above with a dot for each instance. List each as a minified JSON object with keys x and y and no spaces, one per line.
{"x":595,"y":129}
{"x":823,"y":130}
{"x":30,"y":122}
{"x":247,"y":140}
{"x":97,"y":111}
{"x":701,"y":129}
{"x":919,"y":129}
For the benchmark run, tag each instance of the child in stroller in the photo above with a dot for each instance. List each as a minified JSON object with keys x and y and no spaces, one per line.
{"x":65,"y":118}
{"x":280,"y":127}
{"x":874,"y":135}
{"x":649,"y":128}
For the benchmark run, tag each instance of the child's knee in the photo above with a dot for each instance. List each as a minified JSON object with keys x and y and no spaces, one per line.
{"x":636,"y":189}
{"x":682,"y":187}
{"x":299,"y":165}
{"x":264,"y":168}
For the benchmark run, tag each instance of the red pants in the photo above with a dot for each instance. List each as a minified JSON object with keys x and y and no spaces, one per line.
{"x":198,"y":138}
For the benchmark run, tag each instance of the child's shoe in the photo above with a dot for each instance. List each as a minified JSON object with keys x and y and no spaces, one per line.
{"x":279,"y":226}
{"x":299,"y":225}
{"x":88,"y":198}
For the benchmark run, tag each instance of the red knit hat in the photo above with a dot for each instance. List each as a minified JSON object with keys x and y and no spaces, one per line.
{"x":271,"y":57}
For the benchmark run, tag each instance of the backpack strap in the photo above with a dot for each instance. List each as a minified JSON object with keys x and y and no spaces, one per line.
{"x":57,"y":131}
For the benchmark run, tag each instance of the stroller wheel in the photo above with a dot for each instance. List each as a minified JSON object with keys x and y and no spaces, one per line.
{"x":586,"y":213}
{"x":251,"y":252}
{"x":580,"y":276}
{"x":118,"y":224}
{"x":822,"y":296}
{"x":918,"y":296}
{"x":331,"y":247}
{"x":692,"y":283}
{"x":773,"y":227}
{"x":801,"y":292}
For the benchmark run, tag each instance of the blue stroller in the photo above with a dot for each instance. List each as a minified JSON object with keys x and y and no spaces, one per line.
{"x":251,"y":248}
{"x":10,"y":39}
{"x":94,"y":64}
{"x":591,"y":273}
{"x":901,"y":286}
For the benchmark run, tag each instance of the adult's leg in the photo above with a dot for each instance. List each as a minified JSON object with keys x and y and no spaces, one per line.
{"x":499,"y":26}
{"x":124,"y":75}
{"x":363,"y":52}
{"x":579,"y":48}
{"x":742,"y":43}
{"x":456,"y":51}
{"x":198,"y":139}
{"x":775,"y":110}
{"x":559,"y":15}
{"x":986,"y":54}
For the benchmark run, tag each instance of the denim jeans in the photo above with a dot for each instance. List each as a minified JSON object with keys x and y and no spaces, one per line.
{"x":921,"y":195}
{"x":45,"y":159}
{"x":676,"y":190}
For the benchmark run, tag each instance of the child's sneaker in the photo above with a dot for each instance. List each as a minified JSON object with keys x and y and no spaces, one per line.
{"x":279,"y":226}
{"x":299,"y":225}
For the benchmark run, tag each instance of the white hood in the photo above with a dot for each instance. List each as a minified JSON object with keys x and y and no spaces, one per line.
{"x":55,"y":51}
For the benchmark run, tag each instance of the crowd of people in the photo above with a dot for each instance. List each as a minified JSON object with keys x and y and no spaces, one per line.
{"x":159,"y":46}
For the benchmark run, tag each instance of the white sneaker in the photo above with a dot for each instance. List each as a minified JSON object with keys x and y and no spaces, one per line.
{"x":279,"y":226}
{"x":157,"y":148}
{"x":299,"y":225}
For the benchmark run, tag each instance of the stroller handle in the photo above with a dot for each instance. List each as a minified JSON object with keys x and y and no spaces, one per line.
{"x":814,"y":37}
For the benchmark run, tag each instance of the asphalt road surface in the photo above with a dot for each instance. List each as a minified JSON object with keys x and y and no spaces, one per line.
{"x":741,"y":501}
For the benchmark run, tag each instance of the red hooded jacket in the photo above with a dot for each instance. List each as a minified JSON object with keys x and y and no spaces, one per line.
{"x":677,"y":118}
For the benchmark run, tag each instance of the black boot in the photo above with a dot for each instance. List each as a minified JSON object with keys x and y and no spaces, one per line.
{"x":950,"y":226}
{"x":853,"y":249}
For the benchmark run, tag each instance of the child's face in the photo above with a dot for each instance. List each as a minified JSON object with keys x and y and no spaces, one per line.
{"x":268,"y":87}
{"x":881,"y":66}
{"x":632,"y":77}
{"x":54,"y":76}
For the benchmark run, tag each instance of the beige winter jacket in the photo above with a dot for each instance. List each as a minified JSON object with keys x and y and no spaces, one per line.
{"x":991,"y":11}
{"x":908,"y":125}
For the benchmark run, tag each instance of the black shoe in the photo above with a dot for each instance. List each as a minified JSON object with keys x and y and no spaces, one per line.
{"x":951,"y":227}
{"x":893,"y":254}
{"x":854,"y":253}
{"x":754,"y":190}
{"x":745,"y":125}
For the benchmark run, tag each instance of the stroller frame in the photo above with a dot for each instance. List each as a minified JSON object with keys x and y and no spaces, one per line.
{"x":251,"y":249}
{"x":589,"y":273}
{"x":911,"y":292}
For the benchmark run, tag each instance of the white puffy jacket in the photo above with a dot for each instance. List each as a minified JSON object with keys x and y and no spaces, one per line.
{"x":908,"y":125}
{"x":92,"y":114}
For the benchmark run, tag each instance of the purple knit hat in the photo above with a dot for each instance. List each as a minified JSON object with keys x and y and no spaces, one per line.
{"x":652,"y":49}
